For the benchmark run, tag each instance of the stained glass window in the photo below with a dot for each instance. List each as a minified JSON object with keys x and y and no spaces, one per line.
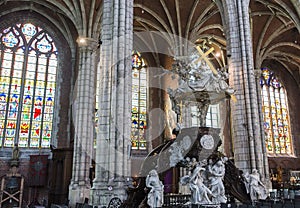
{"x":276,"y":116}
{"x":139,"y":102}
{"x":28,"y":65}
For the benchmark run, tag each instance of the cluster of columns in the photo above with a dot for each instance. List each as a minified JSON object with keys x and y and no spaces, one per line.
{"x":112,"y":164}
{"x":113,"y":140}
{"x":248,"y":141}
{"x":83,"y":108}
{"x":112,"y":169}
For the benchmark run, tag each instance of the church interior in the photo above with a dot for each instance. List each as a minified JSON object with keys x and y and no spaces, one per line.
{"x":86,"y":92}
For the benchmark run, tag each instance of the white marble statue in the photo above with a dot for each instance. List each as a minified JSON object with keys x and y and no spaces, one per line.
{"x":195,"y":80}
{"x":206,"y":185}
{"x":156,"y":195}
{"x":203,"y":79}
{"x":200,"y":194}
{"x":254,"y":186}
{"x":177,"y":149}
{"x":216,"y":174}
{"x":196,"y":75}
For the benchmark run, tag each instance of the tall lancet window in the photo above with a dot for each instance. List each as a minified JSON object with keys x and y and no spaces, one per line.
{"x":276,"y":115}
{"x":139,"y":102}
{"x":28,"y":65}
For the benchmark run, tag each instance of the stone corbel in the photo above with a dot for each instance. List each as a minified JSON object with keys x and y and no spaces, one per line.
{"x":257,"y":73}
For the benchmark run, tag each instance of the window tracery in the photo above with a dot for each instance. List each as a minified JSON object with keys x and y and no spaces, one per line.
{"x":28,"y":69}
{"x":276,"y":115}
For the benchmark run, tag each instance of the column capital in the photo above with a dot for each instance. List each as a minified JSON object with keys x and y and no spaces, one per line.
{"x":87,"y":42}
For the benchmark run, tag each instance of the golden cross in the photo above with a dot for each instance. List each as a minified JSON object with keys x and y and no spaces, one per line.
{"x":180,"y":107}
{"x":204,"y":57}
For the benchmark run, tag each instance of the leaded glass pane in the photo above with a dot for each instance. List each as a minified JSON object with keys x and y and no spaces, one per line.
{"x":27,"y":92}
{"x":275,"y":113}
{"x":139,"y":102}
{"x":9,"y":39}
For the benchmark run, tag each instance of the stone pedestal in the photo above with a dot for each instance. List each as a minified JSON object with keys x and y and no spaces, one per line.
{"x":105,"y":193}
{"x":78,"y":193}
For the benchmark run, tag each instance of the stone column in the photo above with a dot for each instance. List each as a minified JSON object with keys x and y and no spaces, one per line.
{"x":83,"y":108}
{"x":266,"y":176}
{"x":245,"y":111}
{"x":112,"y":171}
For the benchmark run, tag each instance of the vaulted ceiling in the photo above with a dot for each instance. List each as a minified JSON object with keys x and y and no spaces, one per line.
{"x":181,"y":23}
{"x":275,"y":28}
{"x":276,"y":35}
{"x":275,"y":25}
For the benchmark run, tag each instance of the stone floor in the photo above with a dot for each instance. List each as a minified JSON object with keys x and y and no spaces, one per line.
{"x":267,"y":204}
